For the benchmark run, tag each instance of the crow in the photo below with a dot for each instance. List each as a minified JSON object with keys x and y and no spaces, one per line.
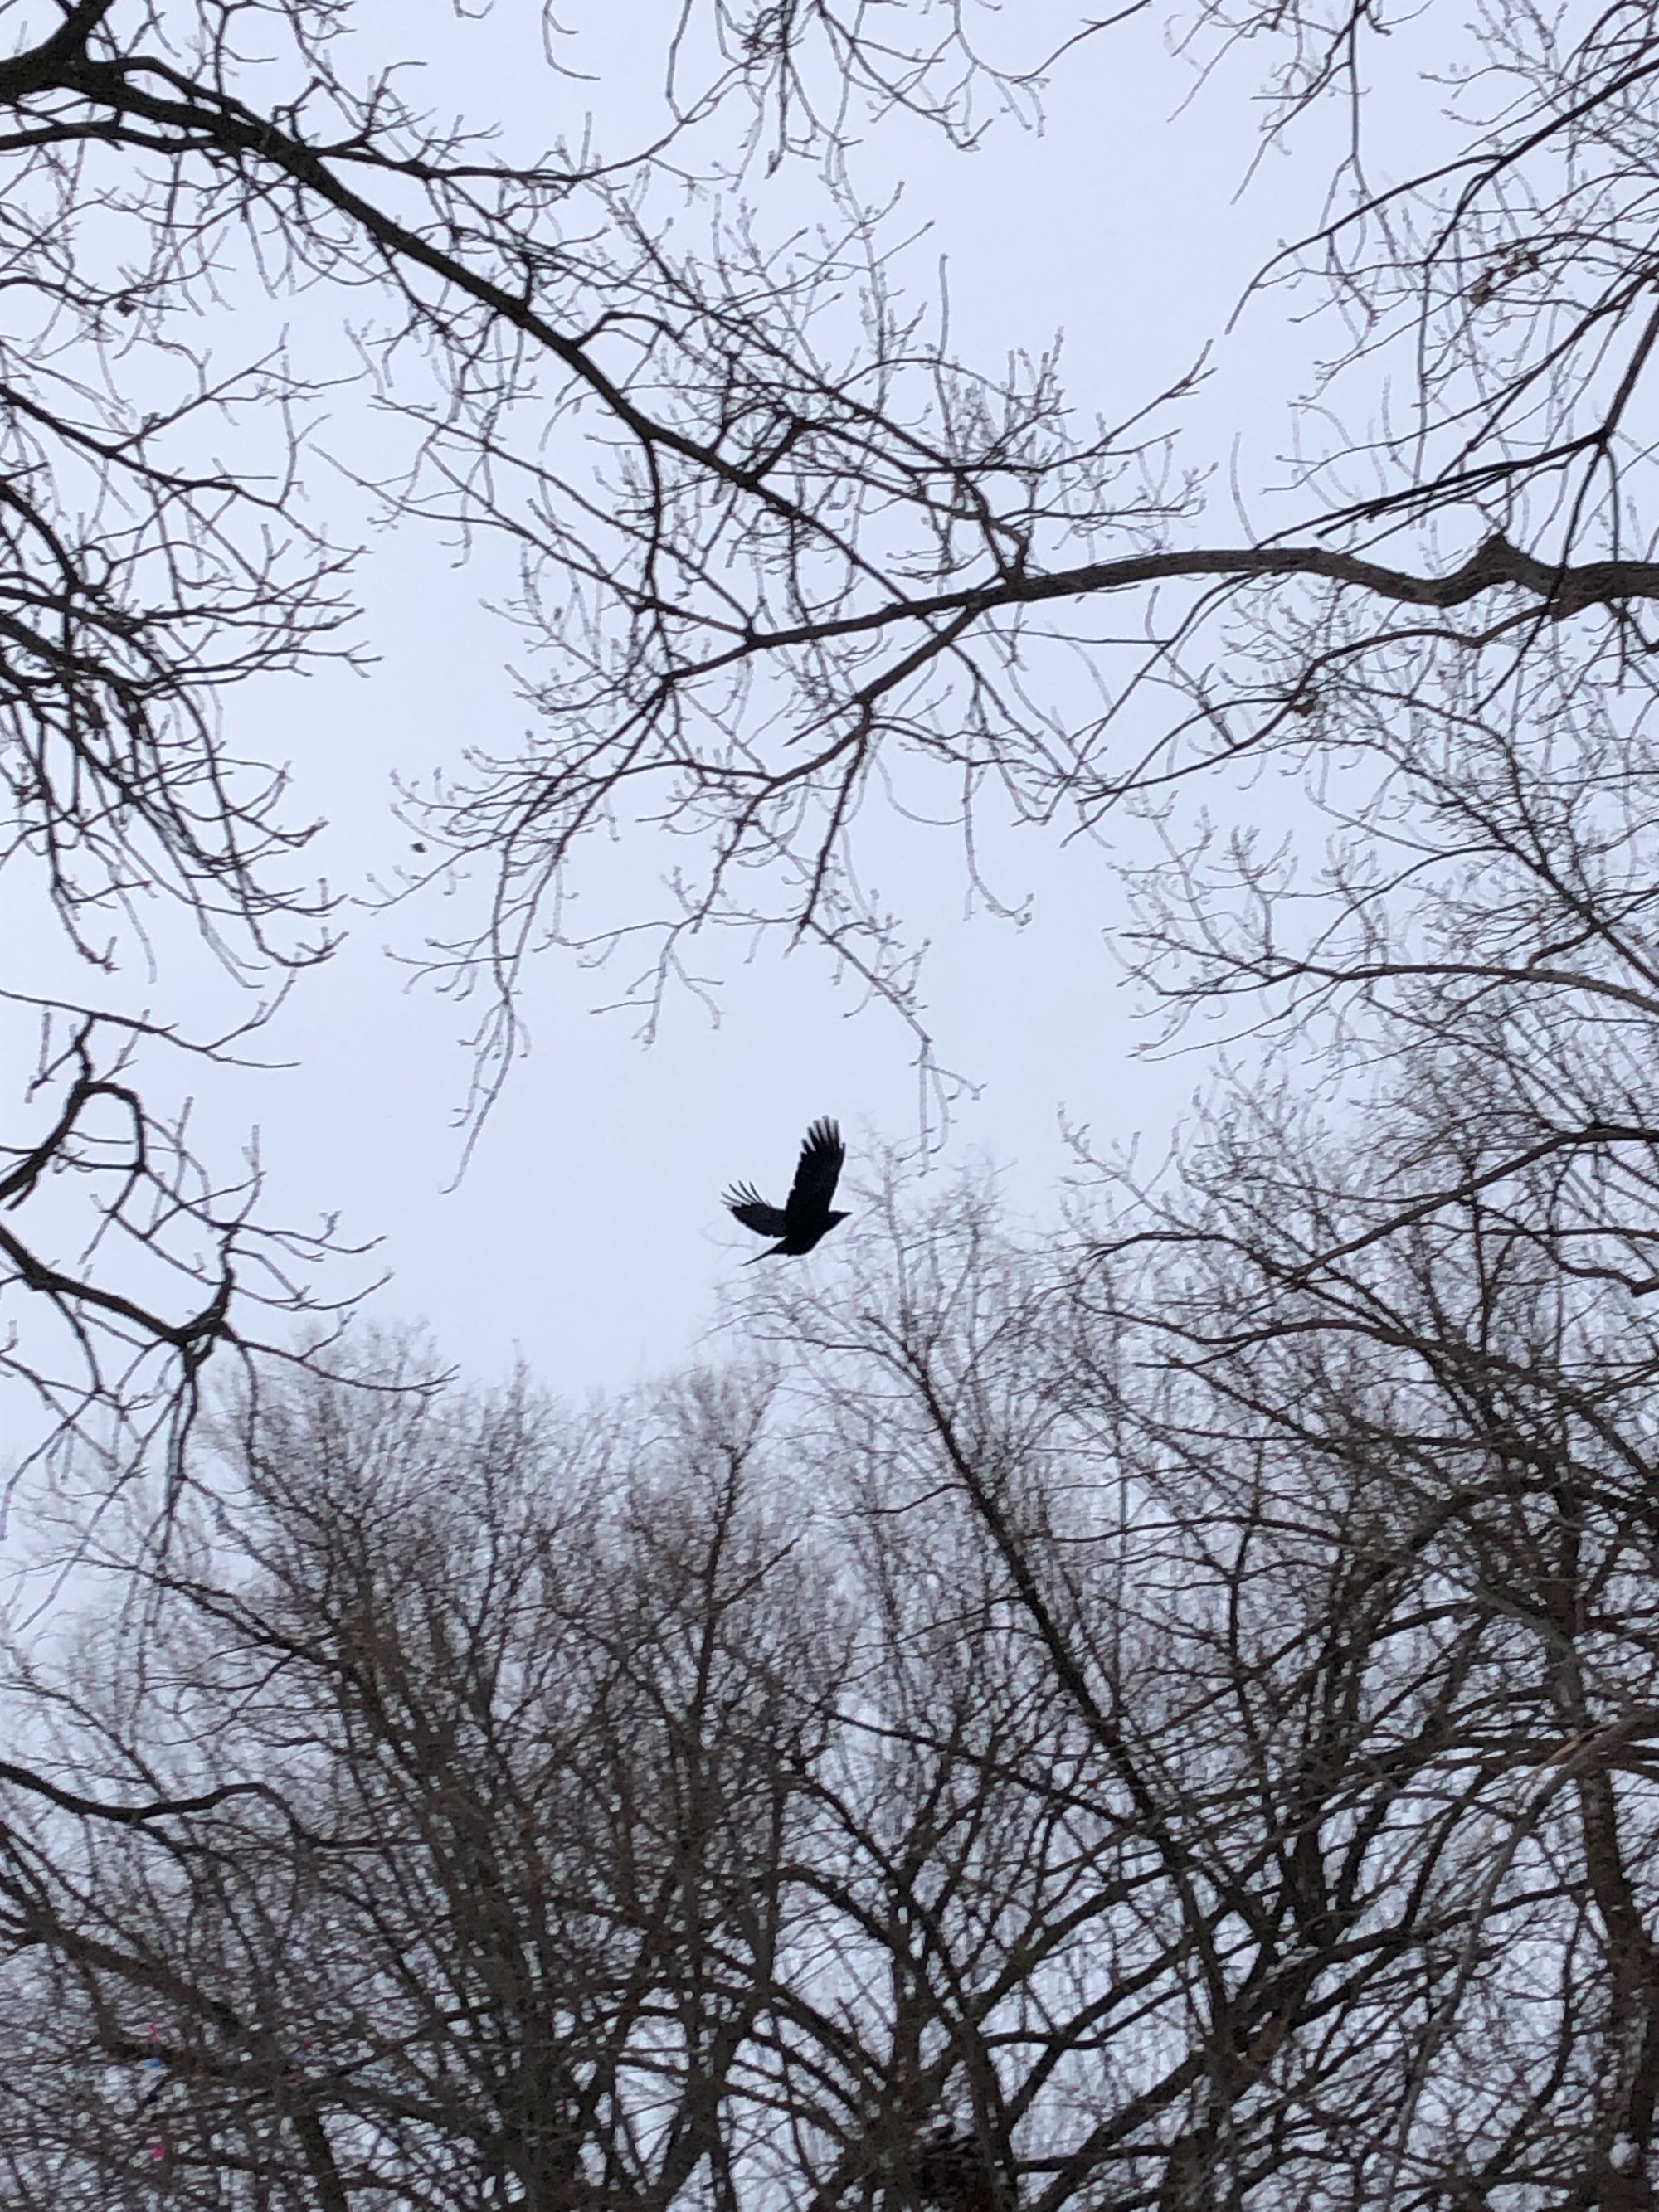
{"x":807,"y":1217}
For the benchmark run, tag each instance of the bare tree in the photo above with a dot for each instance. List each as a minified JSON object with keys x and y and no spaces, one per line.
{"x":1344,"y":1583}
{"x":1164,"y":1719}
{"x":799,"y":553}
{"x":1397,"y":649}
{"x":1131,"y":1728}
{"x":504,"y":1931}
{"x":793,"y":549}
{"x":169,"y":172}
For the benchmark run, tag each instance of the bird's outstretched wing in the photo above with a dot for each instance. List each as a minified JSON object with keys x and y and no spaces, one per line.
{"x":751,"y":1209}
{"x":817,"y":1171}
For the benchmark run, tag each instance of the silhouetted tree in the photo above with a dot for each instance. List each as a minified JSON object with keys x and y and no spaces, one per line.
{"x":1165,"y":1718}
{"x":1116,"y":1727}
{"x":786,"y":560}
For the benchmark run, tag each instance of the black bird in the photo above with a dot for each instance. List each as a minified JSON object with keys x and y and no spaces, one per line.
{"x":808,"y":1216}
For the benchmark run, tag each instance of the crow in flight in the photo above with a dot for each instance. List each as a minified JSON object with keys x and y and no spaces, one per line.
{"x":807,"y":1217}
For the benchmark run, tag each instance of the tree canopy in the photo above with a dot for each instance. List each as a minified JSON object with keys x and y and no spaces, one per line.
{"x":1156,"y":1714}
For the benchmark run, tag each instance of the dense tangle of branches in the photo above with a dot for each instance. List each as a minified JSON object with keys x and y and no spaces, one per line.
{"x":1165,"y":1720}
{"x":1006,"y":1755}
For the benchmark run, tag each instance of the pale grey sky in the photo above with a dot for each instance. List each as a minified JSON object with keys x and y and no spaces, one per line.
{"x":587,"y":1233}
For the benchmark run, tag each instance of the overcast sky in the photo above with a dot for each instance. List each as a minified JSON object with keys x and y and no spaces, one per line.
{"x":587,"y":1233}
